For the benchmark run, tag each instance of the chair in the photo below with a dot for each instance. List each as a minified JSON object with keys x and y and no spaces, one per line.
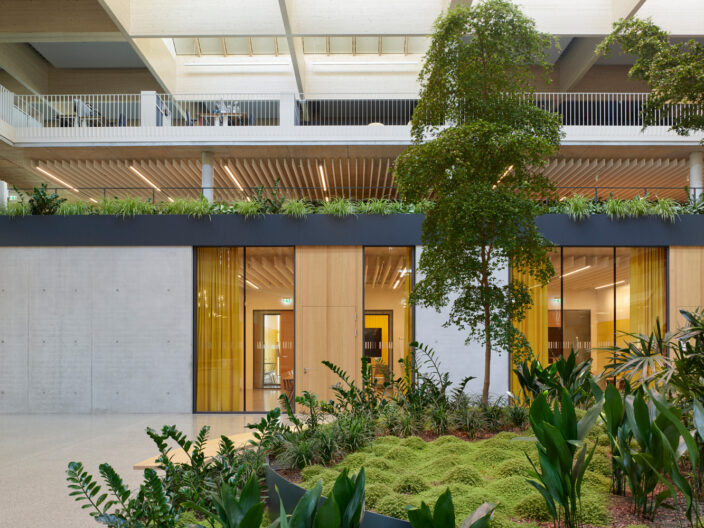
{"x":287,"y":384}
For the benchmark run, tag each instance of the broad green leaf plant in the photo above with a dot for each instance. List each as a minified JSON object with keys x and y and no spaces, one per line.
{"x":562,"y":454}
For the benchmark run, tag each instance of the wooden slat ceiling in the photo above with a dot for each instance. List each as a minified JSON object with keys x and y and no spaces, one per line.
{"x":352,"y":177}
{"x":298,"y":177}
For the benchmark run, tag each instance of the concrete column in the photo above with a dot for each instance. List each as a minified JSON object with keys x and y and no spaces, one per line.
{"x":287,"y":111}
{"x":207,"y":175}
{"x":148,"y":108}
{"x":3,"y":194}
{"x":695,"y":175}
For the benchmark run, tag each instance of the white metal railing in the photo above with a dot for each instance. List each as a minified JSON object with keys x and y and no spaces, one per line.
{"x":386,"y":116}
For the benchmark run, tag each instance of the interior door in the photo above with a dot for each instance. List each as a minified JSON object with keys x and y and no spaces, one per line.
{"x":329,"y":322}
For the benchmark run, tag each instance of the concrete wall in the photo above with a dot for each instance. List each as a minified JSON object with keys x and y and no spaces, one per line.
{"x":457,"y":357}
{"x":96,"y":329}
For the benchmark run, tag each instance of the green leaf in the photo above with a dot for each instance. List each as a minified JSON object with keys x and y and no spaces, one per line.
{"x":589,"y":419}
{"x":698,"y":417}
{"x":304,"y":513}
{"x":681,"y":429}
{"x":421,"y":517}
{"x":444,"y":511}
{"x":328,"y":514}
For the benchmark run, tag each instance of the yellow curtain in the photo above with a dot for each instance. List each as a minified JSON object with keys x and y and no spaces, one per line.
{"x":407,"y":311}
{"x":647,"y":283}
{"x":535,"y":324}
{"x":219,"y":355}
{"x":380,"y":321}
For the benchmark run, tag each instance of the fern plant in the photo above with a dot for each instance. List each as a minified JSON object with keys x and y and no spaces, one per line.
{"x":272,"y":201}
{"x":247,"y":208}
{"x":377,"y":206}
{"x":667,"y":209}
{"x":192,"y":208}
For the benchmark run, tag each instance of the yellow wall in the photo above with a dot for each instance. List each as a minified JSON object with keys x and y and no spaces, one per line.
{"x":686,"y":282}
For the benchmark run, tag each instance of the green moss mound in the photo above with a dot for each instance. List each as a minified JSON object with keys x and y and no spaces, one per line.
{"x":512,"y":467}
{"x":463,"y":474}
{"x":413,"y":442}
{"x":532,"y":507}
{"x":394,"y":505}
{"x":373,"y":493}
{"x":410,"y":485}
{"x":404,"y":472}
{"x":510,"y":490}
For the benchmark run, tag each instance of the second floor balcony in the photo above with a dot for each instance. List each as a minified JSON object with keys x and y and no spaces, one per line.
{"x":150,"y":118}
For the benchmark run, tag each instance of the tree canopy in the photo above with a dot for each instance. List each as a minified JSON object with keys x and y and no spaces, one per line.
{"x":479,"y":146}
{"x":674,"y":72}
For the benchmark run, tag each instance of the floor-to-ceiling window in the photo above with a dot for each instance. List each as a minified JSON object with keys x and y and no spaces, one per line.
{"x":219,"y":361}
{"x":388,"y":317}
{"x":244,"y":353}
{"x":597,"y":294}
{"x":269,"y":335}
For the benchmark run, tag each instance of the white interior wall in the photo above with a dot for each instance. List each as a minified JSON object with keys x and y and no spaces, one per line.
{"x":96,"y":329}
{"x":457,"y":357}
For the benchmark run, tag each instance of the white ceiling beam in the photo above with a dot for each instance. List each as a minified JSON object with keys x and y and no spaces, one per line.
{"x":295,"y":48}
{"x":580,"y":55}
{"x":26,"y":66}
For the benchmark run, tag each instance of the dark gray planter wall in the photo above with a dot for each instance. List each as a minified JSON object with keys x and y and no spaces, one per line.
{"x":218,"y":230}
{"x":600,"y":230}
{"x":278,"y":230}
{"x":291,"y":493}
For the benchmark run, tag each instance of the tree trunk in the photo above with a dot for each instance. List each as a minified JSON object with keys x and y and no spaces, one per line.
{"x":487,"y":354}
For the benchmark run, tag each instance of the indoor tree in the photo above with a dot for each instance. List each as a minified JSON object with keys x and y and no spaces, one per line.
{"x":478,"y":149}
{"x":673,"y":71}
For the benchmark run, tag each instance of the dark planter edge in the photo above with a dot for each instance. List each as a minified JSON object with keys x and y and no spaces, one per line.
{"x":291,"y":493}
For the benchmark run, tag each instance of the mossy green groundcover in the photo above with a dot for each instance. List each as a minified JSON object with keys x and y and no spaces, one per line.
{"x":406,"y":471}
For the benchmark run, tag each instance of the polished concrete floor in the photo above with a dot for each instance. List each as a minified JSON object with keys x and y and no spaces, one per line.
{"x":35,"y":450}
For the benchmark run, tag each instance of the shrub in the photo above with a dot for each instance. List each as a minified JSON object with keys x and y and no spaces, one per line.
{"x":74,"y":208}
{"x":401,"y":454}
{"x":463,"y":474}
{"x":379,"y":476}
{"x":339,"y":207}
{"x":313,"y":472}
{"x":410,"y":484}
{"x":468,"y":419}
{"x":125,"y":207}
{"x":578,"y":207}
{"x":247,"y":208}
{"x":296,"y":208}
{"x":378,"y":463}
{"x":15,"y":209}
{"x":517,"y":415}
{"x":377,"y":206}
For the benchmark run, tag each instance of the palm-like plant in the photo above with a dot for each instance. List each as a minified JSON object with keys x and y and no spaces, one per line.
{"x":645,"y":359}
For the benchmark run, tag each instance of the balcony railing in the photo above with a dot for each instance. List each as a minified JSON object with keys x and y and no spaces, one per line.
{"x":288,"y":117}
{"x":230,"y":194}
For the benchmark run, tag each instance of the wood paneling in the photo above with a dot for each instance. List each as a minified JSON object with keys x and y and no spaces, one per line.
{"x":686,"y":281}
{"x":328,"y":315}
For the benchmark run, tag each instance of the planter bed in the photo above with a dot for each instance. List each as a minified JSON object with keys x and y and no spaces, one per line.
{"x":404,"y":472}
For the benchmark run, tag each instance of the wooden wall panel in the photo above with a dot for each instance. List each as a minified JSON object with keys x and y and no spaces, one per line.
{"x":329,"y":322}
{"x":686,"y":276}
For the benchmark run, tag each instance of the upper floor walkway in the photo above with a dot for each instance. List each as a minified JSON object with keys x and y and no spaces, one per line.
{"x":150,"y":118}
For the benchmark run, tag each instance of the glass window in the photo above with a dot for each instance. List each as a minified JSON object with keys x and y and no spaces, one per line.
{"x":597,"y":294}
{"x":388,"y":319}
{"x":269,"y":335}
{"x":219,"y":330}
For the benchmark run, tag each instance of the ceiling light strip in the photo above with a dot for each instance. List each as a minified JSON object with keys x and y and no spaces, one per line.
{"x":133,"y":169}
{"x":55,"y":178}
{"x":574,"y":271}
{"x":608,"y":285}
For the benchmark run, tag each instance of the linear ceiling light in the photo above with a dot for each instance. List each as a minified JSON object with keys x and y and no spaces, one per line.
{"x":93,"y":200}
{"x":609,"y":284}
{"x":252,"y":284}
{"x":144,"y":177}
{"x":56,"y":179}
{"x":398,"y":281}
{"x":234,"y":179}
{"x":574,"y":271}
{"x":322,"y":177}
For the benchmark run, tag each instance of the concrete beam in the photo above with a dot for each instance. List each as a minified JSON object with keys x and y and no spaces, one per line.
{"x":26,"y":66}
{"x":295,"y":48}
{"x":579,"y":56}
